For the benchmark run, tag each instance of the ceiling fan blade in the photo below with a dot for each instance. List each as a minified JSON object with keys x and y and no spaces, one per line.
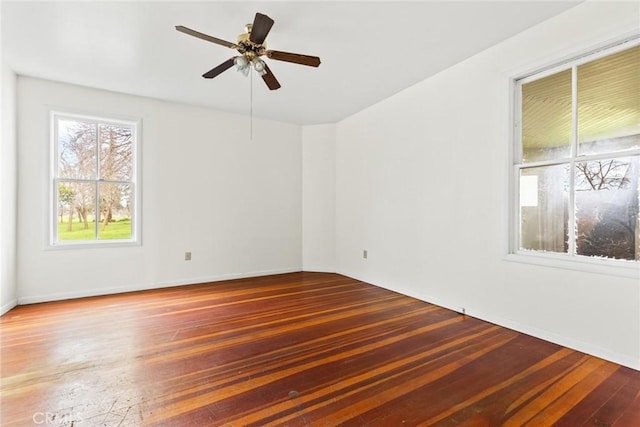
{"x":206,"y":37}
{"x":219,"y":69}
{"x":270,"y":79}
{"x":296,"y":58}
{"x":261,"y":26}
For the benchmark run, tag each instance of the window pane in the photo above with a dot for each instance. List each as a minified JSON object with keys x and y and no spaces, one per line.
{"x":76,"y":205}
{"x":115,"y":211}
{"x":116,"y":152}
{"x":609,"y":103}
{"x":546,"y":118}
{"x":607,"y":208}
{"x":544,"y":205}
{"x":76,"y":149}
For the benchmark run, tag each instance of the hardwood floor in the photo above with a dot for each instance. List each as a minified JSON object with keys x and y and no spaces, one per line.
{"x":294,"y":349}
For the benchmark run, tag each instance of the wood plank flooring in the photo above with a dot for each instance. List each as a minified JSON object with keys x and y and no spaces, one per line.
{"x":294,"y":349}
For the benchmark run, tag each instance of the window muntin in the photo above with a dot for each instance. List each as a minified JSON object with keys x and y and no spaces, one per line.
{"x":94,"y":180}
{"x":578,"y":158}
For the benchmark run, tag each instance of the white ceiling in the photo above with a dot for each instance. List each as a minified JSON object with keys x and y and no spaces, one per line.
{"x":369,"y":50}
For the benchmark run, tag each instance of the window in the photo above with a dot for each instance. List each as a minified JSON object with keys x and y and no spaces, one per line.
{"x":94,"y":180}
{"x":577,"y":158}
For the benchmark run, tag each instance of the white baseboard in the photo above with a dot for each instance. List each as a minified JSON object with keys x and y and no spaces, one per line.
{"x":588,"y":348}
{"x":8,"y":306}
{"x":319,"y":269}
{"x":143,"y":287}
{"x":584,"y":347}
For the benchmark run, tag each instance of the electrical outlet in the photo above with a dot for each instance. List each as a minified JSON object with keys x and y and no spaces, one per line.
{"x":187,"y":256}
{"x":364,"y":254}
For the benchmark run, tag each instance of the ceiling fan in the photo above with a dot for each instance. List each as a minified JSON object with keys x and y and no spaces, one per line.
{"x":251,"y":46}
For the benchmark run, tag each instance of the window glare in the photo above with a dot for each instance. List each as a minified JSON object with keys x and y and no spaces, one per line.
{"x":607,"y":194}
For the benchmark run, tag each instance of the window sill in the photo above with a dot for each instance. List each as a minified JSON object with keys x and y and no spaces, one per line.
{"x":93,"y":245}
{"x":609,"y":267}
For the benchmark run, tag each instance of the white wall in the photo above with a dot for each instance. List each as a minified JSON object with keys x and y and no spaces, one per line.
{"x":235,"y":203}
{"x":8,"y":162}
{"x":318,"y":198}
{"x":422,"y":184}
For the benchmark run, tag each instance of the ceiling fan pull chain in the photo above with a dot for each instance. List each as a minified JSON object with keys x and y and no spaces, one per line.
{"x":251,"y":108}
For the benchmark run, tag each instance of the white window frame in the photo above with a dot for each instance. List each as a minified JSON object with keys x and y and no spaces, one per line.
{"x":136,"y":210}
{"x":608,"y":266}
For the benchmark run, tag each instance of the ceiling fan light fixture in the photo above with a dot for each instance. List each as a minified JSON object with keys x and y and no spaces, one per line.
{"x":242,"y":64}
{"x":259,"y":66}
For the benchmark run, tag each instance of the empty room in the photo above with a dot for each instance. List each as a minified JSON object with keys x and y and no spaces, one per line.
{"x":364,"y":213}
